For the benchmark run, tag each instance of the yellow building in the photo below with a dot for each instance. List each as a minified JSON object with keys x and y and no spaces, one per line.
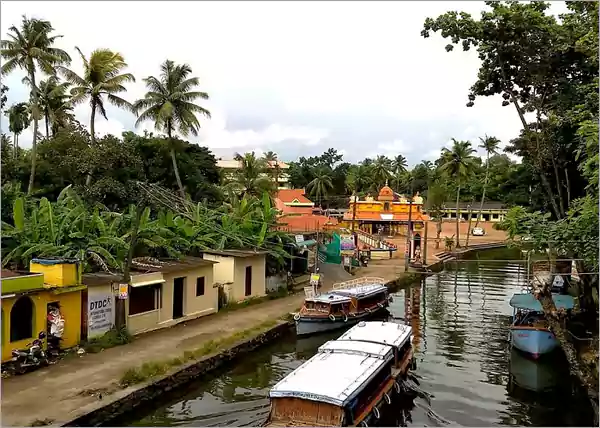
{"x":242,"y":272}
{"x":28,"y":296}
{"x":387,"y":215}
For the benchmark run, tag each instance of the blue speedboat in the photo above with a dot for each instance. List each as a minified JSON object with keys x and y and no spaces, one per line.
{"x":529,"y":331}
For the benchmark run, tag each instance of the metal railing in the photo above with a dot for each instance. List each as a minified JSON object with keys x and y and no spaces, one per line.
{"x":359,"y":281}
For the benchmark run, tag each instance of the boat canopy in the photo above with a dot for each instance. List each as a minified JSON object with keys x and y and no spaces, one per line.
{"x":328,"y":298}
{"x":528,"y":302}
{"x":385,"y":333}
{"x":330,"y":377}
{"x":366,"y":349}
{"x":360,"y":290}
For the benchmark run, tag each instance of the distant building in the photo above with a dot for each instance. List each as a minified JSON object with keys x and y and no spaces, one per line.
{"x":230,"y":166}
{"x":492,"y":211}
{"x":299,"y":214}
{"x":387,"y":215}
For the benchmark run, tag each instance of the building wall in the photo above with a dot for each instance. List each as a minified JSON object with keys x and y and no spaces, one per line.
{"x":193,"y":306}
{"x":70,"y":308}
{"x":258,"y":263}
{"x":58,"y":274}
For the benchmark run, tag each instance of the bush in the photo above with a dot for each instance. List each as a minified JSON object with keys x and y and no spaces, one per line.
{"x":110,"y":339}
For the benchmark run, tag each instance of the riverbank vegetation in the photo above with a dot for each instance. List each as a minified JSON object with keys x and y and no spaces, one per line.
{"x":152,"y":369}
{"x":547,"y":70}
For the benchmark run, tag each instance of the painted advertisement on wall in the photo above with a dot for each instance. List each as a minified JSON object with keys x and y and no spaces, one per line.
{"x":101,"y":314}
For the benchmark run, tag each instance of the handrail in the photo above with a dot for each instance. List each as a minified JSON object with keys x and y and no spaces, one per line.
{"x":358,"y":281}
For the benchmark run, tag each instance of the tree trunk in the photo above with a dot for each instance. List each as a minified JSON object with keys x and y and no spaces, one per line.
{"x":457,"y":217}
{"x":34,"y":96}
{"x":438,"y":233}
{"x":174,"y":161}
{"x":47,"y":120}
{"x":568,"y":184}
{"x":88,"y":179}
{"x":485,"y":183}
{"x":577,"y":368}
{"x":561,"y":199}
{"x":120,"y":321}
{"x":15,"y":144}
{"x":469,"y":224}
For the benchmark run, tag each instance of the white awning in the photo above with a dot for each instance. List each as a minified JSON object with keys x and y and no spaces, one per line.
{"x":145,"y":283}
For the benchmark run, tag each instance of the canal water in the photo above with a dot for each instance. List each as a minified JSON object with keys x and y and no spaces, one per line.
{"x":465,"y":367}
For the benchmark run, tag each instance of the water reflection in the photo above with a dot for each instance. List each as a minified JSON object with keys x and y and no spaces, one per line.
{"x":460,"y":321}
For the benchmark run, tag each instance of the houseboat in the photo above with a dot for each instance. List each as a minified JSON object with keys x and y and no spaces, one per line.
{"x":351,"y":381}
{"x":529,"y":331}
{"x":345,"y":305}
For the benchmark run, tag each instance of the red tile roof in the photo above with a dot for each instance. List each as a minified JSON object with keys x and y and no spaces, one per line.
{"x":289,"y":195}
{"x":306,"y":223}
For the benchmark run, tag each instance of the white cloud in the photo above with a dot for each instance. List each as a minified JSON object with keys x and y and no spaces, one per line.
{"x":358,"y":64}
{"x":394,"y":148}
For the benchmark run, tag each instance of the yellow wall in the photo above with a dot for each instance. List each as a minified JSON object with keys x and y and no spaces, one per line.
{"x":193,"y":306}
{"x":259,"y":287}
{"x":70,"y":308}
{"x":59,"y":275}
{"x":377,"y":207}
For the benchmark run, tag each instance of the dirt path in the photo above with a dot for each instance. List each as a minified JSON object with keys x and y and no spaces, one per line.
{"x":69,"y":389}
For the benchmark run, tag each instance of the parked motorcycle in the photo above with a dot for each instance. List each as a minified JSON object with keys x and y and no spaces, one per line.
{"x":33,"y":356}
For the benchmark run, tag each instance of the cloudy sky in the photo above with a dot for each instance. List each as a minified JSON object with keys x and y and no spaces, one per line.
{"x":292,"y":77}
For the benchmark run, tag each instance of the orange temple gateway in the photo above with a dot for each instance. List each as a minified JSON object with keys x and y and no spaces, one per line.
{"x":387,"y":215}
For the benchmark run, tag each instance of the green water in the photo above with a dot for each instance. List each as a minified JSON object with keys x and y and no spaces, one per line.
{"x":460,"y":319}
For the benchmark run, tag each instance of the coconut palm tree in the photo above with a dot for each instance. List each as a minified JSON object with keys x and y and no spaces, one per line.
{"x":490,"y":145}
{"x":359,"y":178}
{"x":101,"y":78}
{"x":273,"y":161}
{"x":458,"y":163}
{"x":169,"y":103}
{"x":321,"y":184}
{"x":54,"y":104}
{"x":381,"y":171}
{"x":18,"y":120}
{"x":399,"y":164}
{"x":31,"y":47}
{"x":249,"y":178}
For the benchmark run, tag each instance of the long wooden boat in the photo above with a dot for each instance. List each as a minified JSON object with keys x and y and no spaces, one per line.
{"x":345,"y":305}
{"x":351,"y":381}
{"x":529,"y":331}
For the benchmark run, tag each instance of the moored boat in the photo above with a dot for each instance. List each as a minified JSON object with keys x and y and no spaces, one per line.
{"x":349,"y":382}
{"x":529,"y":331}
{"x":345,"y":305}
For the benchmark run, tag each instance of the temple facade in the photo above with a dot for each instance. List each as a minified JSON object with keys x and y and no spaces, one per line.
{"x":388,"y":214}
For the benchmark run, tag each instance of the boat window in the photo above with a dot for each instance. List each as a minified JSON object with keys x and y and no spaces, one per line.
{"x":335,"y":308}
{"x":372,"y":389}
{"x":309,"y":305}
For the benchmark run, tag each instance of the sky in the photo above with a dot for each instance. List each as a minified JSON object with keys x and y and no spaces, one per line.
{"x":292,"y":77}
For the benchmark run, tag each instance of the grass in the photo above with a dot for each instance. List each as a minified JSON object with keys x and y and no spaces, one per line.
{"x":108,"y":340}
{"x":149,"y":370}
{"x":278,"y":294}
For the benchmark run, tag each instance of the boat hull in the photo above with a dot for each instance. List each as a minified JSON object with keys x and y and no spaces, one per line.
{"x":535,"y":342}
{"x":311,"y":325}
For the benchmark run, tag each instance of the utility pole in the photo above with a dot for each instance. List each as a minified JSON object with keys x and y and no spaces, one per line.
{"x":409,"y":233}
{"x":120,"y":321}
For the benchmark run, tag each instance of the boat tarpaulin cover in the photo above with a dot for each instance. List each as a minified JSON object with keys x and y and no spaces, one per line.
{"x":528,"y":302}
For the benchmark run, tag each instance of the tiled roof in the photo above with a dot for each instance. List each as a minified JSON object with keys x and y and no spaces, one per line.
{"x":291,"y":195}
{"x":306,"y":223}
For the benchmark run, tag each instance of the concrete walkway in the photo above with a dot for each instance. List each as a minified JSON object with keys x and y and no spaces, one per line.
{"x":71,"y":388}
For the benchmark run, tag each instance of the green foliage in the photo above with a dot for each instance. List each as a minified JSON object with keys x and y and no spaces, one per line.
{"x":149,"y":370}
{"x":110,"y":339}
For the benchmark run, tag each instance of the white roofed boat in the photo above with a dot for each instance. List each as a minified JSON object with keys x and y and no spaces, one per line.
{"x":348,"y":381}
